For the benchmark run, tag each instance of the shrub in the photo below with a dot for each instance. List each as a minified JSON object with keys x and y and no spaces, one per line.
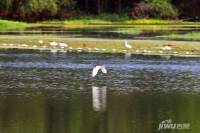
{"x":162,"y":9}
{"x":154,"y":9}
{"x":140,"y":10}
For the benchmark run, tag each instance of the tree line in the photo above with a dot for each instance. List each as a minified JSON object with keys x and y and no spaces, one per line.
{"x":33,"y":10}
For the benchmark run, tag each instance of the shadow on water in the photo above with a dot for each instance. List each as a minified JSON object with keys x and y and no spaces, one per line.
{"x":43,"y":92}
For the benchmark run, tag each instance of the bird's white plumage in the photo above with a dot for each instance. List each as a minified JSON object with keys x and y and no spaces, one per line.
{"x":63,"y":44}
{"x":103,"y":69}
{"x":166,"y":48}
{"x":40,"y":41}
{"x":127,"y":45}
{"x":53,"y":43}
{"x":96,"y":70}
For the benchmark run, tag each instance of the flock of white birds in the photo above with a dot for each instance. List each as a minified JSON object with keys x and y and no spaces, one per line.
{"x":62,"y":45}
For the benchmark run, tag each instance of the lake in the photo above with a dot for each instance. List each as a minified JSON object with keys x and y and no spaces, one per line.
{"x":43,"y":92}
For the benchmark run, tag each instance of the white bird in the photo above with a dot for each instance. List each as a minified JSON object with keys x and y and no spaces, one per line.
{"x":24,"y":45}
{"x":166,"y":48}
{"x":127,"y":45}
{"x":40,"y":41}
{"x":97,"y":68}
{"x":53,"y":43}
{"x":63,"y":44}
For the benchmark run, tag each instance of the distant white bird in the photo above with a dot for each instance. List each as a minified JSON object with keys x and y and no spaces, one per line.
{"x":127,"y":45}
{"x":24,"y":45}
{"x":166,"y":48}
{"x":79,"y":48}
{"x":40,"y":41}
{"x":63,"y":44}
{"x":53,"y":44}
{"x":97,"y":68}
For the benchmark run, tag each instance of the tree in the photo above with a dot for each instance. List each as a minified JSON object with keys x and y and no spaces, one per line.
{"x":162,"y":8}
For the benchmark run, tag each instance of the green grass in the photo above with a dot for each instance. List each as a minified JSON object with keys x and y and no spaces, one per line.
{"x":193,"y":36}
{"x":116,"y":20}
{"x":105,"y":25}
{"x":11,"y":25}
{"x":98,"y":21}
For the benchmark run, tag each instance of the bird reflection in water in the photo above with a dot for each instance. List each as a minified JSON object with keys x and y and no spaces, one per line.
{"x":99,"y":95}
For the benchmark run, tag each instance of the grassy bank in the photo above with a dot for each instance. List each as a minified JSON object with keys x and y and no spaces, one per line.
{"x":116,"y":20}
{"x":11,"y":25}
{"x":193,"y":36}
{"x":151,"y":47}
{"x":86,"y":44}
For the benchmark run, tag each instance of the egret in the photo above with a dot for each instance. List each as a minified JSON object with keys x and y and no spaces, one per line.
{"x":53,"y":44}
{"x":97,"y":68}
{"x":187,"y":52}
{"x":127,"y":45}
{"x":166,"y":48}
{"x":40,"y":41}
{"x":24,"y":45}
{"x":63,"y":45}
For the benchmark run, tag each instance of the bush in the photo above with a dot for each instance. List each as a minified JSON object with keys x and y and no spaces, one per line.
{"x":162,"y":9}
{"x":154,"y":9}
{"x":32,"y":10}
{"x":140,"y":10}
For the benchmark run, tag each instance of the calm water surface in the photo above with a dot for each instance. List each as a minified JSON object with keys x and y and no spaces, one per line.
{"x":54,"y":93}
{"x":103,"y":32}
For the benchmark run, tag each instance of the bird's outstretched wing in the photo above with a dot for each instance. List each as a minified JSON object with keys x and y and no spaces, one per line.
{"x":95,"y":70}
{"x":103,"y":69}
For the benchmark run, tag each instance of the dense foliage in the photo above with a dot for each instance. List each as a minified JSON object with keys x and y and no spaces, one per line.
{"x":32,"y":10}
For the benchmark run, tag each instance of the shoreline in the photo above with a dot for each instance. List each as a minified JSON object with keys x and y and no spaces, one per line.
{"x":140,"y":47}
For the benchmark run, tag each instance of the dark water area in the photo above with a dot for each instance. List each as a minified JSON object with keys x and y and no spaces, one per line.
{"x":105,"y":32}
{"x":55,"y":93}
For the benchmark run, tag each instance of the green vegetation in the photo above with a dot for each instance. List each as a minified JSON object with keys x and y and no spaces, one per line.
{"x":37,"y":10}
{"x":194,"y":36}
{"x":162,"y":9}
{"x":124,"y":21}
{"x":32,"y":10}
{"x":11,"y":25}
